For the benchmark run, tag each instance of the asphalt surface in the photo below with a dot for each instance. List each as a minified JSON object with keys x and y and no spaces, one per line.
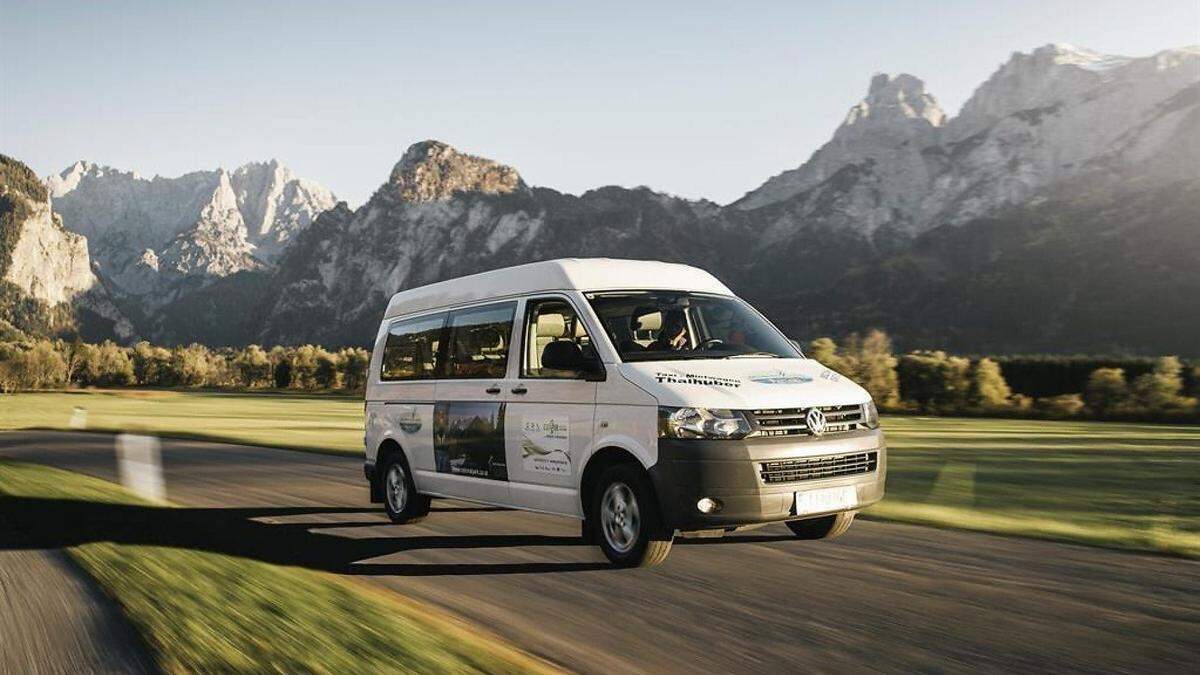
{"x":52,"y":618}
{"x":886,"y":597}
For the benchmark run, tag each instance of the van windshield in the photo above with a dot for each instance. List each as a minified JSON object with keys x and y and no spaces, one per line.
{"x":676,"y":326}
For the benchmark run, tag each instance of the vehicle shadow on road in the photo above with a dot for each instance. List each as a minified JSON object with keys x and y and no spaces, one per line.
{"x":298,"y":540}
{"x":57,"y":523}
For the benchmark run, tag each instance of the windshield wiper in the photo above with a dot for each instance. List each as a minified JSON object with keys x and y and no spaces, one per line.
{"x":752,"y":354}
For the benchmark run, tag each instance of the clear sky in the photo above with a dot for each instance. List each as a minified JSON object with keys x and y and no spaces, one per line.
{"x":693,"y":98}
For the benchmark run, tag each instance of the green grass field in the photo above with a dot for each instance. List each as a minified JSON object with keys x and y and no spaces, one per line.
{"x":1110,"y":484}
{"x":322,"y":422}
{"x":200,"y":611}
{"x":1131,"y":486}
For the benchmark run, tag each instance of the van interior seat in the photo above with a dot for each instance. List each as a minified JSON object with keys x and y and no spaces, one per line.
{"x":491,"y":343}
{"x":477,"y":352}
{"x":550,"y":327}
{"x":646,"y":318}
{"x":643,"y":320}
{"x":564,"y":350}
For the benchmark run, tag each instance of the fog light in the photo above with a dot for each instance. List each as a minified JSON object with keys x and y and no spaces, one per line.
{"x":708,"y":505}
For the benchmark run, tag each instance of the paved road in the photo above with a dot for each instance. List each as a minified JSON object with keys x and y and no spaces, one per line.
{"x":52,"y":617}
{"x":886,"y":597}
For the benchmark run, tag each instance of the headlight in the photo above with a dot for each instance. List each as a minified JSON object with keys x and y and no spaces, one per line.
{"x":702,"y":423}
{"x":870,"y":415}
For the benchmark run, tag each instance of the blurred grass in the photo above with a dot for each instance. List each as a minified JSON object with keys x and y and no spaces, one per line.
{"x":320,"y":422}
{"x":1134,"y":486}
{"x":206,"y":612}
{"x":1122,"y":485}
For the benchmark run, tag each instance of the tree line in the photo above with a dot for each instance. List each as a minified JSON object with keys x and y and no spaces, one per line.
{"x":927,"y":382}
{"x":934,"y":382}
{"x":53,"y":364}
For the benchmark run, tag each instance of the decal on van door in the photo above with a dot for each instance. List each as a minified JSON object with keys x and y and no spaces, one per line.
{"x":468,"y":439}
{"x":546,"y":444}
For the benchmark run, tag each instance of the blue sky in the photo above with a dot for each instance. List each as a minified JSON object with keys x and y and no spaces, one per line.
{"x":696,"y":99}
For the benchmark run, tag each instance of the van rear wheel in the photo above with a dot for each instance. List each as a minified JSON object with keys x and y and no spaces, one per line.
{"x":400,"y":498}
{"x":825,"y":527}
{"x":629,"y":526}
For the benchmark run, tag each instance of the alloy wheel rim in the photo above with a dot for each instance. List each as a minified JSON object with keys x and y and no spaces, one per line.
{"x":620,"y":517}
{"x":396,"y":488}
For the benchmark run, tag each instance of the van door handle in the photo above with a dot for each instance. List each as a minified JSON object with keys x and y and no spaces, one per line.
{"x":493,"y":390}
{"x":519,"y":389}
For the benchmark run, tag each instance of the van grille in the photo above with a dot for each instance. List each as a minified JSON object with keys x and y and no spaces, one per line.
{"x":813,"y":468}
{"x":790,"y":421}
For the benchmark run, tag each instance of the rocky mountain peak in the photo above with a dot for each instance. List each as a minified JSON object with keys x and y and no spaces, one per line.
{"x":896,"y":100}
{"x":1056,"y":75}
{"x":898,"y":165}
{"x":886,"y":130}
{"x":42,"y":261}
{"x":433,"y":171}
{"x":205,"y":223}
{"x":1045,"y":77}
{"x":1062,"y":53}
{"x":70,"y":178}
{"x":268,"y":171}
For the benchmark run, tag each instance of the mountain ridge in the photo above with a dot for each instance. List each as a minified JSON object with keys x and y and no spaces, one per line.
{"x":154,"y":237}
{"x":904,"y":204}
{"x":887,"y":179}
{"x":46,"y":279}
{"x":1041,"y":117}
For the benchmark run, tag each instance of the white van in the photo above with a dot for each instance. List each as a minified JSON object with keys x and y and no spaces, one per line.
{"x":643,"y":398}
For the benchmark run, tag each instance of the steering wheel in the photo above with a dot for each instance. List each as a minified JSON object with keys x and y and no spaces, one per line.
{"x":710,"y":343}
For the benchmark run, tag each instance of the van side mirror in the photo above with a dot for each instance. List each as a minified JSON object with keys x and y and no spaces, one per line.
{"x":566,"y":355}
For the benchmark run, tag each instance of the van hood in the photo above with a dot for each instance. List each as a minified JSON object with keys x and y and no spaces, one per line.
{"x":744,"y":383}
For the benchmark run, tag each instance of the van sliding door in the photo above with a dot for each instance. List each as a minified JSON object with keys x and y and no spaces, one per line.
{"x":472,"y":393}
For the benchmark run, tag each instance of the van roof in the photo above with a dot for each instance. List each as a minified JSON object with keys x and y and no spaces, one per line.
{"x":578,"y":274}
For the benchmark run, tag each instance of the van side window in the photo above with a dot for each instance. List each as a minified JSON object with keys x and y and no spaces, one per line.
{"x":411,"y":349}
{"x":552,"y":322}
{"x":478,"y":342}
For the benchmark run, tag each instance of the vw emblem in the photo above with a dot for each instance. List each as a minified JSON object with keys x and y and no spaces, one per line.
{"x":815,"y":419}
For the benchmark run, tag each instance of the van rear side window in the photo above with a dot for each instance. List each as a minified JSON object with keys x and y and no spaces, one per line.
{"x":411,"y":350}
{"x":478,"y":342}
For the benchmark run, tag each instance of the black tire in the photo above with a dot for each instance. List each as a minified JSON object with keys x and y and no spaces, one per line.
{"x":406,"y":506}
{"x":825,"y":527}
{"x":640,"y":539}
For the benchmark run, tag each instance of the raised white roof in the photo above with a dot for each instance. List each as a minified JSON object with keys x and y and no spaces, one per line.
{"x":577,"y":274}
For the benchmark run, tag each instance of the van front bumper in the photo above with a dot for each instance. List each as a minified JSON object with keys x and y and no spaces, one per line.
{"x":731,"y":472}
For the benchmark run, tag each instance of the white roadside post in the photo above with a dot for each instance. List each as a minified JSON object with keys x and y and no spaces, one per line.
{"x":78,"y":418}
{"x":139,"y":464}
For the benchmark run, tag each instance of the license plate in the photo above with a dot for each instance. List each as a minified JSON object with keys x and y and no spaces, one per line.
{"x":826,"y":500}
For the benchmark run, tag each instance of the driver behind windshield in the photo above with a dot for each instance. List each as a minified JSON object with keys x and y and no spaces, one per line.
{"x":673,"y":336}
{"x":687,"y":326}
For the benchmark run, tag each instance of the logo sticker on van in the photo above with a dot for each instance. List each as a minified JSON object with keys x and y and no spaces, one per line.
{"x":468,"y":439}
{"x":780,"y":377}
{"x":546,"y":444}
{"x":703,"y":380}
{"x":409,"y":420}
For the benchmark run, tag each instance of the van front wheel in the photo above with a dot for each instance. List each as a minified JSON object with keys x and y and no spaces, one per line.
{"x":826,"y":527}
{"x":400,"y":498}
{"x":630,"y":529}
